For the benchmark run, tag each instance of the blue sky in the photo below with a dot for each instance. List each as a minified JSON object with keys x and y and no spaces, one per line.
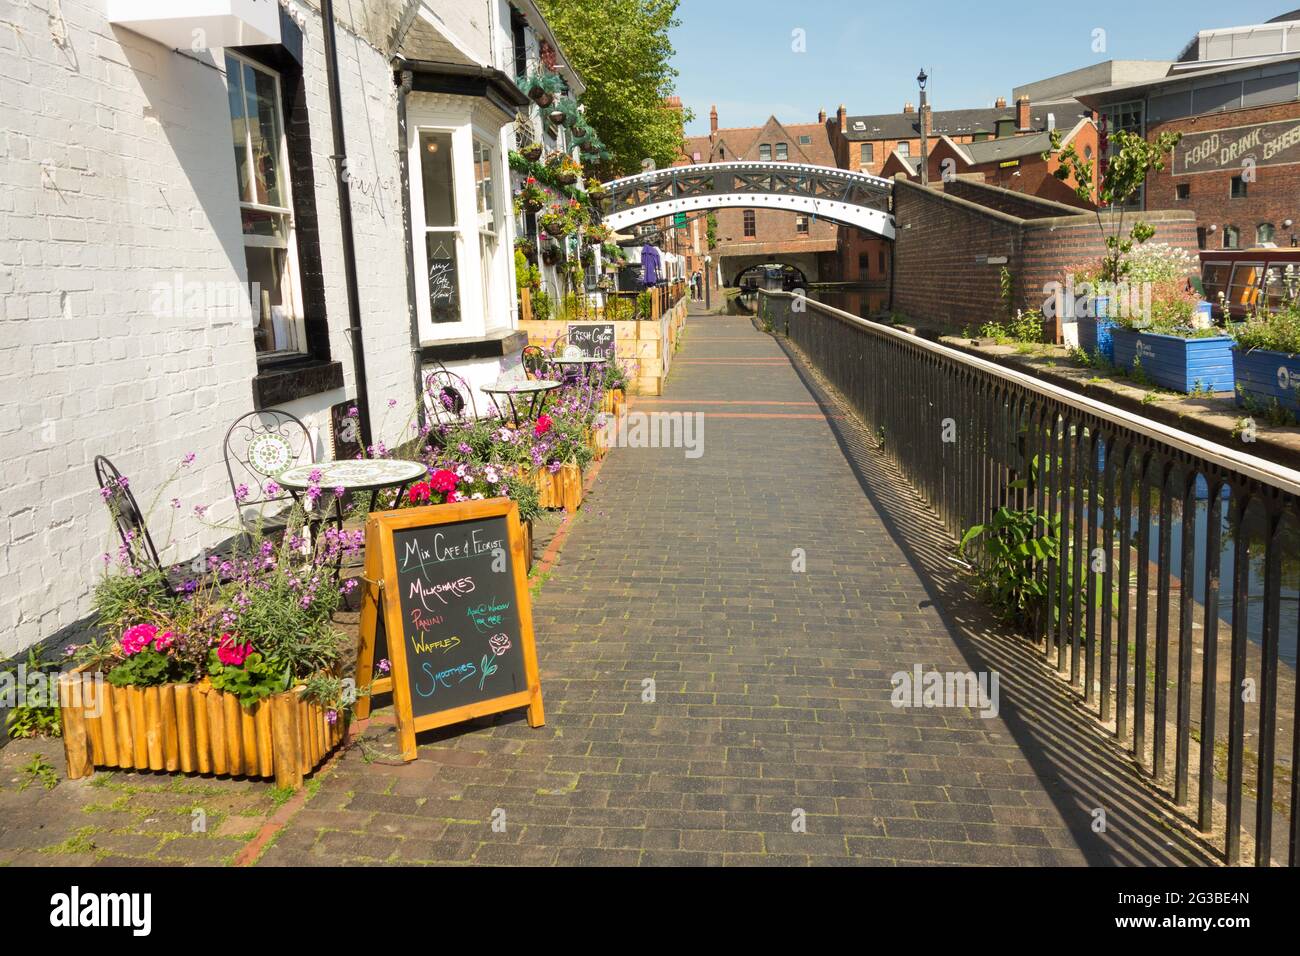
{"x":866,"y":54}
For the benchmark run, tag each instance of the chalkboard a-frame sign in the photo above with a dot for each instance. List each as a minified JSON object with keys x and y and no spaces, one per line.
{"x":447,"y":593}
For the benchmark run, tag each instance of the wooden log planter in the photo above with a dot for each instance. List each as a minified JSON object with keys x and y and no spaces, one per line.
{"x":614,"y":402}
{"x":563,"y":489}
{"x":598,"y":442}
{"x":193,"y":728}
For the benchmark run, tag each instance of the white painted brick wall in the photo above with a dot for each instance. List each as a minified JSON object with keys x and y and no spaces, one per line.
{"x":117,"y":169}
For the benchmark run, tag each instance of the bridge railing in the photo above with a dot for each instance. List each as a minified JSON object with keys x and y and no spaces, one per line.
{"x":1169,"y":604}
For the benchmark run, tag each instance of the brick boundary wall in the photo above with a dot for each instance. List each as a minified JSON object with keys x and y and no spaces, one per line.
{"x":1013,"y":203}
{"x":942,"y":275}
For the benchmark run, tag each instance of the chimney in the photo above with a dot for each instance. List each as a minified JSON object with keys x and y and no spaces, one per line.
{"x":908,"y":107}
{"x":1023,"y":119}
{"x":842,"y":114}
{"x":713,"y":121}
{"x":821,"y":117}
{"x":1001,"y":103}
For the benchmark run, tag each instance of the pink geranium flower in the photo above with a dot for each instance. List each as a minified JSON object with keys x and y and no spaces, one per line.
{"x":137,"y":638}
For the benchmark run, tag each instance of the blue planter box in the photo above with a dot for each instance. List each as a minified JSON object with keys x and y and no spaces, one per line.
{"x":1264,"y":376}
{"x":1175,"y":363}
{"x":1095,"y":338}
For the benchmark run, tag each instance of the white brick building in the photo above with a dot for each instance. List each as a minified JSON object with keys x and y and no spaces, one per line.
{"x":130,"y":235}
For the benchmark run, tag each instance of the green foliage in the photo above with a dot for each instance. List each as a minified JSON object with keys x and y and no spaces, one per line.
{"x":1007,"y":291}
{"x":257,"y":678}
{"x":38,"y":714}
{"x":301,"y":640}
{"x":543,"y":308}
{"x":645,"y":304}
{"x":1131,"y":159}
{"x":622,"y":51}
{"x":1276,"y":332}
{"x":38,"y":770}
{"x":1012,"y":544}
{"x":147,"y":668}
{"x":1024,"y":327}
{"x":527,"y":275}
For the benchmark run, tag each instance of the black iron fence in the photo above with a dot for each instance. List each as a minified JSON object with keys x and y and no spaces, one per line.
{"x":1167,"y":599}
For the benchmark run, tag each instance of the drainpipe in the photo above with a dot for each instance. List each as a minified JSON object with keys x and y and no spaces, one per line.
{"x":403,"y":80}
{"x":340,"y":158}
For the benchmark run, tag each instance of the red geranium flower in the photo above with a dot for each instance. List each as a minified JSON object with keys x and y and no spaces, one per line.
{"x":444,"y":481}
{"x":419,"y":493}
{"x":543,"y":425}
{"x":232,"y":654}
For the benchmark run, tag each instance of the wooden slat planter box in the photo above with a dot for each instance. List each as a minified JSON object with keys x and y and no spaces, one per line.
{"x":1262,"y":376}
{"x":193,"y":728}
{"x":1176,"y":363}
{"x":1095,"y":337}
{"x":560,"y":490}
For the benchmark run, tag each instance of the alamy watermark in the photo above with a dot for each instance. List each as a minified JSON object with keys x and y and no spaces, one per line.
{"x":935,"y":689}
{"x":683,"y":430}
{"x":22,"y":687}
{"x":179,"y":299}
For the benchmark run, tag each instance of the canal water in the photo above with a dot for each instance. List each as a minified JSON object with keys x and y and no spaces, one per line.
{"x":868,"y":302}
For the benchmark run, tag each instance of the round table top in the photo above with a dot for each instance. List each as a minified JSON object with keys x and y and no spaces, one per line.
{"x":353,"y":474}
{"x":522,"y":386}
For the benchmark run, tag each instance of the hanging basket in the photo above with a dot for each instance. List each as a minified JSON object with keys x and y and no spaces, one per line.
{"x":532,"y":152}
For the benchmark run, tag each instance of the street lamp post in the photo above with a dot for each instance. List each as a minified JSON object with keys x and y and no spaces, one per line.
{"x":925,"y":144}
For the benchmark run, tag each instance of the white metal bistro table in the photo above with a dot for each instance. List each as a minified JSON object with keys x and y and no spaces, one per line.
{"x":361,"y":474}
{"x":582,"y":365}
{"x":533,"y":390}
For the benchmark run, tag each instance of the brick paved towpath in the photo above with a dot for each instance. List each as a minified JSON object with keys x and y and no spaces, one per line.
{"x":771,"y":687}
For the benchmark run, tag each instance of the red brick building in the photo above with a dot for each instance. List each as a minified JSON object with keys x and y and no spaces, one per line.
{"x":885,"y":143}
{"x":1013,"y":162}
{"x":1234,"y":95}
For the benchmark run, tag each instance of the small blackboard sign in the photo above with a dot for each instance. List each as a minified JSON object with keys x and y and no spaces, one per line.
{"x":444,"y":305}
{"x":593,"y":339}
{"x":450,"y":580}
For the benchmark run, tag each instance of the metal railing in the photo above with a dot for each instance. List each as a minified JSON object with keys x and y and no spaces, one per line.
{"x":1151,"y":521}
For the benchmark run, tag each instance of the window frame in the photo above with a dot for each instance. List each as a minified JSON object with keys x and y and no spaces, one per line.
{"x":866,"y":154}
{"x":1238,"y":183}
{"x":483,"y":306}
{"x":749,"y":224}
{"x":764,"y":148}
{"x":802,"y":225}
{"x":781,"y":153}
{"x":1236,"y":234}
{"x":296,"y":311}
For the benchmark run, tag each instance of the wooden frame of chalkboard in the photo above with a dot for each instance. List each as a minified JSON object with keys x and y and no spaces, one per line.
{"x":441,"y":573}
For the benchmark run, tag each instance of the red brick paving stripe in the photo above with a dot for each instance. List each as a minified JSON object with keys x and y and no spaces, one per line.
{"x":281,"y":818}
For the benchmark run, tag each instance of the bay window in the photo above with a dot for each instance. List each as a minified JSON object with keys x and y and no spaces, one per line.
{"x":462,"y":277}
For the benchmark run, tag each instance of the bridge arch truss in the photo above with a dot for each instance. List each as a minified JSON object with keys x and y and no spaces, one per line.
{"x":854,"y":199}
